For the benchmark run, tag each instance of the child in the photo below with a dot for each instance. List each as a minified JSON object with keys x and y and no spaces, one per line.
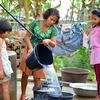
{"x":46,"y":31}
{"x":95,"y":46}
{"x":5,"y":65}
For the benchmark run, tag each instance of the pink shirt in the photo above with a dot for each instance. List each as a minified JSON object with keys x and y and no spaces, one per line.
{"x":95,"y":45}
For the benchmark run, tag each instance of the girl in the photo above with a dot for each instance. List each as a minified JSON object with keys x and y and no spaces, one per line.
{"x":95,"y":46}
{"x":5,"y":65}
{"x":45,"y":31}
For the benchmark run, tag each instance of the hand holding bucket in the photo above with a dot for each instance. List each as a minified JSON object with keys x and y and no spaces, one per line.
{"x":49,"y":42}
{"x":41,"y":55}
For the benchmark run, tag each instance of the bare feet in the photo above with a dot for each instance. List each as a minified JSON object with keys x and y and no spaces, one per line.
{"x":23,"y":98}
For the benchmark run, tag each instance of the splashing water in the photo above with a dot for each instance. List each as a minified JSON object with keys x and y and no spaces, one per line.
{"x":52,"y":80}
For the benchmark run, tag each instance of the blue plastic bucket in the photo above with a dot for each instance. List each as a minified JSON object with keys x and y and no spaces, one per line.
{"x":65,"y":96}
{"x":39,"y":95}
{"x":41,"y":55}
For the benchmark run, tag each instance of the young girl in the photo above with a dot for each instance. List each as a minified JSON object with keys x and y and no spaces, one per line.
{"x":5,"y":65}
{"x":95,"y":46}
{"x":46,"y":32}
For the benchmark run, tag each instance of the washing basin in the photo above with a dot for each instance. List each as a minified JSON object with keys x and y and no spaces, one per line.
{"x":84,"y":89}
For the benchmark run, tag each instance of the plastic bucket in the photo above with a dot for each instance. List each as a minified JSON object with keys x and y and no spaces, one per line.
{"x":41,"y":95}
{"x":65,"y":96}
{"x":41,"y":55}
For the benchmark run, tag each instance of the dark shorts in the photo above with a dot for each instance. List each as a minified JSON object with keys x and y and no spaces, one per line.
{"x":97,"y":73}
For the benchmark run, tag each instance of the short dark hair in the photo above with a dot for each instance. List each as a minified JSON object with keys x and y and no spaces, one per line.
{"x":50,"y":12}
{"x":96,"y":12}
{"x":5,"y":26}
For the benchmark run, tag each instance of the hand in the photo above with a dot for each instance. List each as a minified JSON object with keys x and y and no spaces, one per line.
{"x":1,"y":75}
{"x":46,"y":42}
{"x":52,"y":44}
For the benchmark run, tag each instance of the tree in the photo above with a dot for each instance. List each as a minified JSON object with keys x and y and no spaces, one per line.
{"x":81,"y":9}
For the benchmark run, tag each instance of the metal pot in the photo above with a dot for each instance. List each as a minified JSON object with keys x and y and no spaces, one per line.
{"x":84,"y":89}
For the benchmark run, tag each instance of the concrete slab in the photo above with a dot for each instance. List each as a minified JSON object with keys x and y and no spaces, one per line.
{"x":31,"y":84}
{"x":30,"y":92}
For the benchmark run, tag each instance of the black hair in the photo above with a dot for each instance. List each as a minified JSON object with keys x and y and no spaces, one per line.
{"x":50,"y":12}
{"x":96,"y":12}
{"x":5,"y":26}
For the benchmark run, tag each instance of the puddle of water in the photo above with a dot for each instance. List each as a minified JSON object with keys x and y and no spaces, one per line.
{"x":52,"y":80}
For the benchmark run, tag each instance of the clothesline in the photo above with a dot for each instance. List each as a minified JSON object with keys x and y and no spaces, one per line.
{"x":74,"y":22}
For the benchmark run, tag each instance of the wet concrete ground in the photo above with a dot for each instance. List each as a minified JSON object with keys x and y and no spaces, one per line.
{"x":30,"y":92}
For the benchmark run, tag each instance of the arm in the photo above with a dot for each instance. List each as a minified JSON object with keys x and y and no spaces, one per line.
{"x":96,"y":39}
{"x":1,"y":65}
{"x":27,"y":40}
{"x":27,"y":36}
{"x":1,"y":69}
{"x":51,"y":42}
{"x":28,"y":43}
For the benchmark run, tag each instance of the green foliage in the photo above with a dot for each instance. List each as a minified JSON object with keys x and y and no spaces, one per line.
{"x":12,"y":7}
{"x":82,"y":6}
{"x":60,"y":62}
{"x":30,"y":8}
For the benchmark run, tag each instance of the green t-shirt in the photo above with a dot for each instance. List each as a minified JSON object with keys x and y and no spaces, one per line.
{"x":39,"y":35}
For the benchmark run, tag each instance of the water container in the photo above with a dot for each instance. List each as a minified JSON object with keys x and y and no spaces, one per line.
{"x":41,"y":95}
{"x":41,"y":55}
{"x":65,"y":96}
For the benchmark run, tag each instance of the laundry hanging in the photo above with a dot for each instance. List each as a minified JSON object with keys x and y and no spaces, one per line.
{"x":69,"y":38}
